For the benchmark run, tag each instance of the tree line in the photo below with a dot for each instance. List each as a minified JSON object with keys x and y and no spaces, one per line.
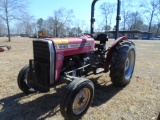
{"x":135,"y":15}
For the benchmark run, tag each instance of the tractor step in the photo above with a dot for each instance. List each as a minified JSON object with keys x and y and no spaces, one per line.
{"x":99,"y":70}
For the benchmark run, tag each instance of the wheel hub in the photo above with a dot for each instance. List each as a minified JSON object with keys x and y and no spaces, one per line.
{"x":81,"y":101}
{"x":127,"y":64}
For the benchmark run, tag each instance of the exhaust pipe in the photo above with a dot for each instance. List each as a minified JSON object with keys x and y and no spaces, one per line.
{"x":92,"y":16}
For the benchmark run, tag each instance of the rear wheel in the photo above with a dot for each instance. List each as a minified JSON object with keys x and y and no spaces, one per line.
{"x":122,"y":63}
{"x":22,"y":80}
{"x":77,"y":99}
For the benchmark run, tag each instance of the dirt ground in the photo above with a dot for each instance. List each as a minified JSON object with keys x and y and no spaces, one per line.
{"x":140,"y":100}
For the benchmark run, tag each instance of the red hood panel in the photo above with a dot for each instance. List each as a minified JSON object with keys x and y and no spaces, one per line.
{"x":70,"y":46}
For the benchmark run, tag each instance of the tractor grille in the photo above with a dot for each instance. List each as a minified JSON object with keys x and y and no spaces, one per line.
{"x":41,"y":51}
{"x":43,"y":63}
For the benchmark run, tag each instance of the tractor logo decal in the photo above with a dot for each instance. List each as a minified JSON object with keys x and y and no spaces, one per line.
{"x":64,"y":41}
{"x":60,"y":56}
{"x":74,"y":45}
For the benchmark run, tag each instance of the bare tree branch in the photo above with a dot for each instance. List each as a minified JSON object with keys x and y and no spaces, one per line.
{"x":11,"y":10}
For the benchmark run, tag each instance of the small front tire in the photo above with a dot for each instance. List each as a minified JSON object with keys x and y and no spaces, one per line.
{"x":77,"y":99}
{"x":22,"y":80}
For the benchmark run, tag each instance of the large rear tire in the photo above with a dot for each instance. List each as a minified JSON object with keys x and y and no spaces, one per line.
{"x":77,"y":99}
{"x":22,"y":80}
{"x":122,"y":63}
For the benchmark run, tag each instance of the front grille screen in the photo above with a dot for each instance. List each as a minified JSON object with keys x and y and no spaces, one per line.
{"x":41,"y":66}
{"x":41,"y":51}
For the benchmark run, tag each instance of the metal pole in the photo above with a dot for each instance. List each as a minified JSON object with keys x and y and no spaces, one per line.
{"x":117,"y":19}
{"x":92,"y":16}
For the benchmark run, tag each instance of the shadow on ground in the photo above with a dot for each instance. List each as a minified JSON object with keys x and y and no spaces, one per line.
{"x":39,"y":108}
{"x":48,"y":105}
{"x":103,"y":92}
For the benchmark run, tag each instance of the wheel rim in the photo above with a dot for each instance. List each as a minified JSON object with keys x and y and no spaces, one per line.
{"x":129,"y":64}
{"x":81,"y":101}
{"x":26,"y":83}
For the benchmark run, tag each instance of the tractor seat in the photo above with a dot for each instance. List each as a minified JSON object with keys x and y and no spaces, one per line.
{"x":100,"y":40}
{"x":100,"y":37}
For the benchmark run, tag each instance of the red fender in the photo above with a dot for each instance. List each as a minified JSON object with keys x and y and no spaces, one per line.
{"x":1,"y":50}
{"x":110,"y":51}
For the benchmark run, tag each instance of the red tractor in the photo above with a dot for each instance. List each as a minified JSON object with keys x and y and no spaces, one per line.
{"x":57,"y":59}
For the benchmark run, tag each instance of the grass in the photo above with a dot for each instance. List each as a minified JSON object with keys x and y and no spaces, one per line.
{"x":140,"y":100}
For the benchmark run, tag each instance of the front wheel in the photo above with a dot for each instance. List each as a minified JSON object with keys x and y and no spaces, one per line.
{"x":77,"y":99}
{"x":22,"y":80}
{"x":122,"y":63}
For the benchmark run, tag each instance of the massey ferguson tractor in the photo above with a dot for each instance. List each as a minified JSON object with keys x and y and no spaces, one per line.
{"x":57,"y":59}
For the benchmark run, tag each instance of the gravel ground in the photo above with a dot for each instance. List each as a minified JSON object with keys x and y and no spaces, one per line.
{"x":140,"y":100}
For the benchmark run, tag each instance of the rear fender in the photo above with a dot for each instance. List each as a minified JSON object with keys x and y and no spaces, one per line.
{"x":110,"y":51}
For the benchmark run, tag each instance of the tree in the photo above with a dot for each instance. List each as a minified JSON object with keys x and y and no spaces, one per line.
{"x":27,"y":25}
{"x":133,"y":21}
{"x":158,"y":29}
{"x":40,"y":23}
{"x":73,"y":32}
{"x":107,"y":10}
{"x":138,"y":25}
{"x":158,"y":23}
{"x":11,"y":10}
{"x":78,"y":26}
{"x":82,"y":24}
{"x":125,"y":5}
{"x":2,"y":29}
{"x":158,"y":1}
{"x":150,"y":12}
{"x":48,"y":25}
{"x":57,"y":24}
{"x":62,"y":17}
{"x":136,"y":14}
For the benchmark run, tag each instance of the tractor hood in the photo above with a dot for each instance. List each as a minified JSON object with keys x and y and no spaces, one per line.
{"x":70,"y":46}
{"x":63,"y":47}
